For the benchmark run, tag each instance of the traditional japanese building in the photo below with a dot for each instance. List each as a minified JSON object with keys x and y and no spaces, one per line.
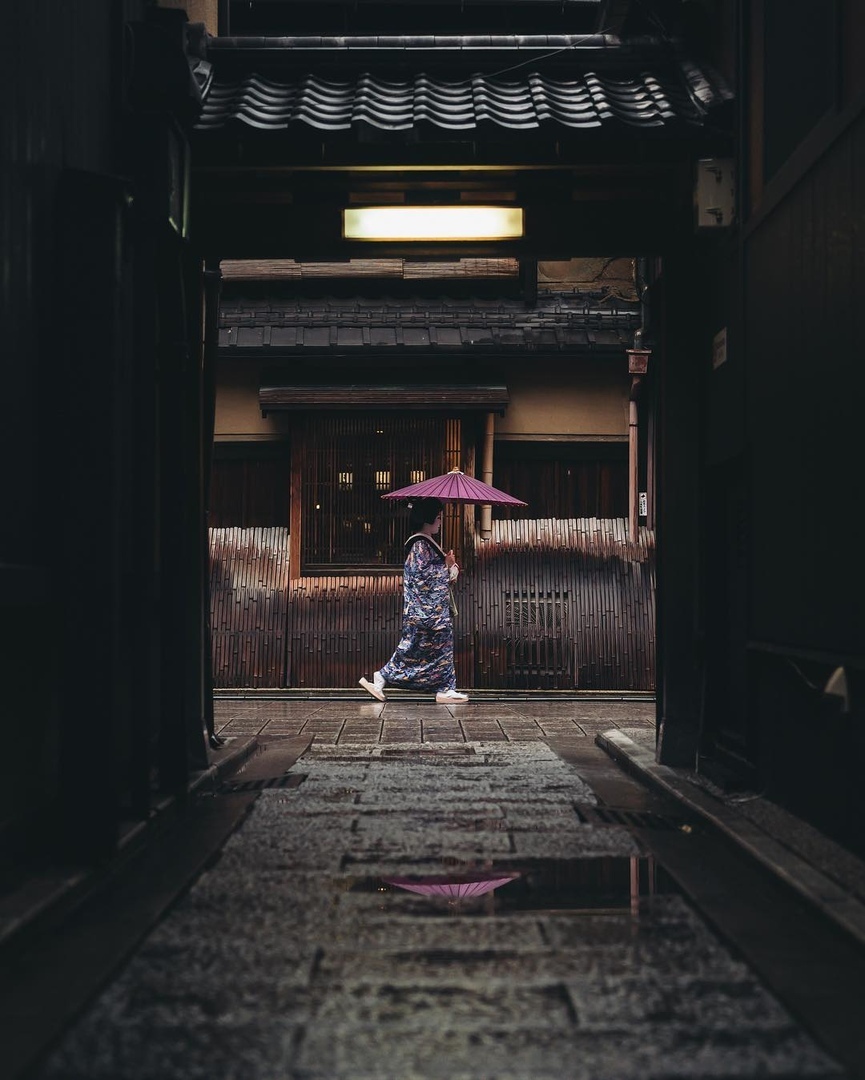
{"x":152,"y":154}
{"x":347,"y":367}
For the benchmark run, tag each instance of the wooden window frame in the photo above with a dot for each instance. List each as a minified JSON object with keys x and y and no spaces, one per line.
{"x":302,"y":564}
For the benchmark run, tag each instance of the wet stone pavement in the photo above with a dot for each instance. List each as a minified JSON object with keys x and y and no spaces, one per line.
{"x":408,"y":721}
{"x":412,"y":910}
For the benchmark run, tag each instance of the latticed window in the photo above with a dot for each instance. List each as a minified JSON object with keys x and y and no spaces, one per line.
{"x":538,"y":640}
{"x":530,"y":612}
{"x":350,"y":462}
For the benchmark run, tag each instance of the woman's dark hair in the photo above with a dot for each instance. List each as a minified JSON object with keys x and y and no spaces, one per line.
{"x":424,"y":512}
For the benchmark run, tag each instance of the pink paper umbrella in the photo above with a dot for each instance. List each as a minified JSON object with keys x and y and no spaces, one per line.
{"x":456,"y":487}
{"x":449,"y":888}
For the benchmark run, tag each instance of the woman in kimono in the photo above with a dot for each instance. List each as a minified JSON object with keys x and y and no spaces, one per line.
{"x":424,"y":657}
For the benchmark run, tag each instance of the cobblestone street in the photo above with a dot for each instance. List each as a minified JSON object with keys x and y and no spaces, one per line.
{"x":304,"y":952}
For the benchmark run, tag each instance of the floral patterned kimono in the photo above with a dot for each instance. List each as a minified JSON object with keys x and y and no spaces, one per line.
{"x":424,"y":657}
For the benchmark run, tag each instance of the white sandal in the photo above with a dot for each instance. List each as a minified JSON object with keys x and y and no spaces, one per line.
{"x":450,"y":697}
{"x":376,"y":687}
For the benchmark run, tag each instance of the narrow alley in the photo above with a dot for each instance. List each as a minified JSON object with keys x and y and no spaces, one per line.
{"x":581,"y":281}
{"x":479,"y":891}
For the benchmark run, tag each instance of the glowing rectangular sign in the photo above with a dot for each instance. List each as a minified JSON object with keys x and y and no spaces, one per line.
{"x":433,"y":223}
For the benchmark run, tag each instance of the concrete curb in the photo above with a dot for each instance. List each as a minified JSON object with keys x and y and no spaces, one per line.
{"x":229,"y":758}
{"x":810,"y":883}
{"x":420,"y":697}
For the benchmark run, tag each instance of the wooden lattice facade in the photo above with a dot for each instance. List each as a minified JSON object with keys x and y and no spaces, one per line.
{"x":249,"y":597}
{"x":343,"y":467}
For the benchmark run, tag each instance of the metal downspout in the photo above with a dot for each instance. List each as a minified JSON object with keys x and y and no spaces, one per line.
{"x":633,"y":462}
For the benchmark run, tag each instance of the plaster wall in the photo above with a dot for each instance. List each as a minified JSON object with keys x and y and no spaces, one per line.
{"x":591,"y":404}
{"x":198,"y":11}
{"x":594,"y":406}
{"x":238,"y":416}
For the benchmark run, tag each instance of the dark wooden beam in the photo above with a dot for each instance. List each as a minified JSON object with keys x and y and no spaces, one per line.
{"x":345,"y":396}
{"x":553,"y":231}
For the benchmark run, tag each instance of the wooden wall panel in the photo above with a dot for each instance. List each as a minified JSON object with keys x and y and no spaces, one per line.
{"x":802,"y":414}
{"x":594,"y":488}
{"x":343,"y":626}
{"x":249,"y":607}
{"x":546,"y":604}
{"x":564,"y":604}
{"x":250,"y":491}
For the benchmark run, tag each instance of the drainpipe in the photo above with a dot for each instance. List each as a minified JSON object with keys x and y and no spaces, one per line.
{"x":487,"y":474}
{"x":638,"y":362}
{"x":633,"y":475}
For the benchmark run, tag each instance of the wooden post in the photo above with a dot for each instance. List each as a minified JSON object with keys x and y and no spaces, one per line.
{"x":452,"y":534}
{"x":295,"y":605}
{"x":298,"y":464}
{"x":92,"y":466}
{"x":680,"y":421}
{"x":487,"y":474}
{"x":212,"y":284}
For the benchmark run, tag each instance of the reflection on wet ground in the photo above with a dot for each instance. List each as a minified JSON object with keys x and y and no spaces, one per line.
{"x":458,"y":892}
{"x":594,"y":886}
{"x":303,"y":955}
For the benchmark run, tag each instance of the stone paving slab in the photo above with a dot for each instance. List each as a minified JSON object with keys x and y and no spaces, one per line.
{"x":489,"y":932}
{"x":349,"y":721}
{"x":517,"y":1051}
{"x":180,"y":1047}
{"x":295,"y":957}
{"x":417,"y":1008}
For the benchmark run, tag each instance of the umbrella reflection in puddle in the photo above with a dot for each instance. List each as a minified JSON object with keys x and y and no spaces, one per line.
{"x":454,"y":890}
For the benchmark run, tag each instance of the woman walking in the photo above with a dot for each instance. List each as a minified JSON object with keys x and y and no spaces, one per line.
{"x":424,"y":656}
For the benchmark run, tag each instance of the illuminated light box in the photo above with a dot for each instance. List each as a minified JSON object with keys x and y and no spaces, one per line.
{"x":432,"y":223}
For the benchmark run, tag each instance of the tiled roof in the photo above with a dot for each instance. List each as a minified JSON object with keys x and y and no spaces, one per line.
{"x":274,"y":83}
{"x":557,"y":321}
{"x":643,"y":101}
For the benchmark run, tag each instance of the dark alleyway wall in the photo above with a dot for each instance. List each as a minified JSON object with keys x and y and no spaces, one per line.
{"x":102,"y":547}
{"x":782,"y":481}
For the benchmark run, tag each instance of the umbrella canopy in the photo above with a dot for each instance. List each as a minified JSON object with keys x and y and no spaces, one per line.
{"x":455,"y":486}
{"x":450,"y":889}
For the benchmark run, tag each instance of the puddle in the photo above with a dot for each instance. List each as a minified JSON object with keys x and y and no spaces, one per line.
{"x":590,"y":886}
